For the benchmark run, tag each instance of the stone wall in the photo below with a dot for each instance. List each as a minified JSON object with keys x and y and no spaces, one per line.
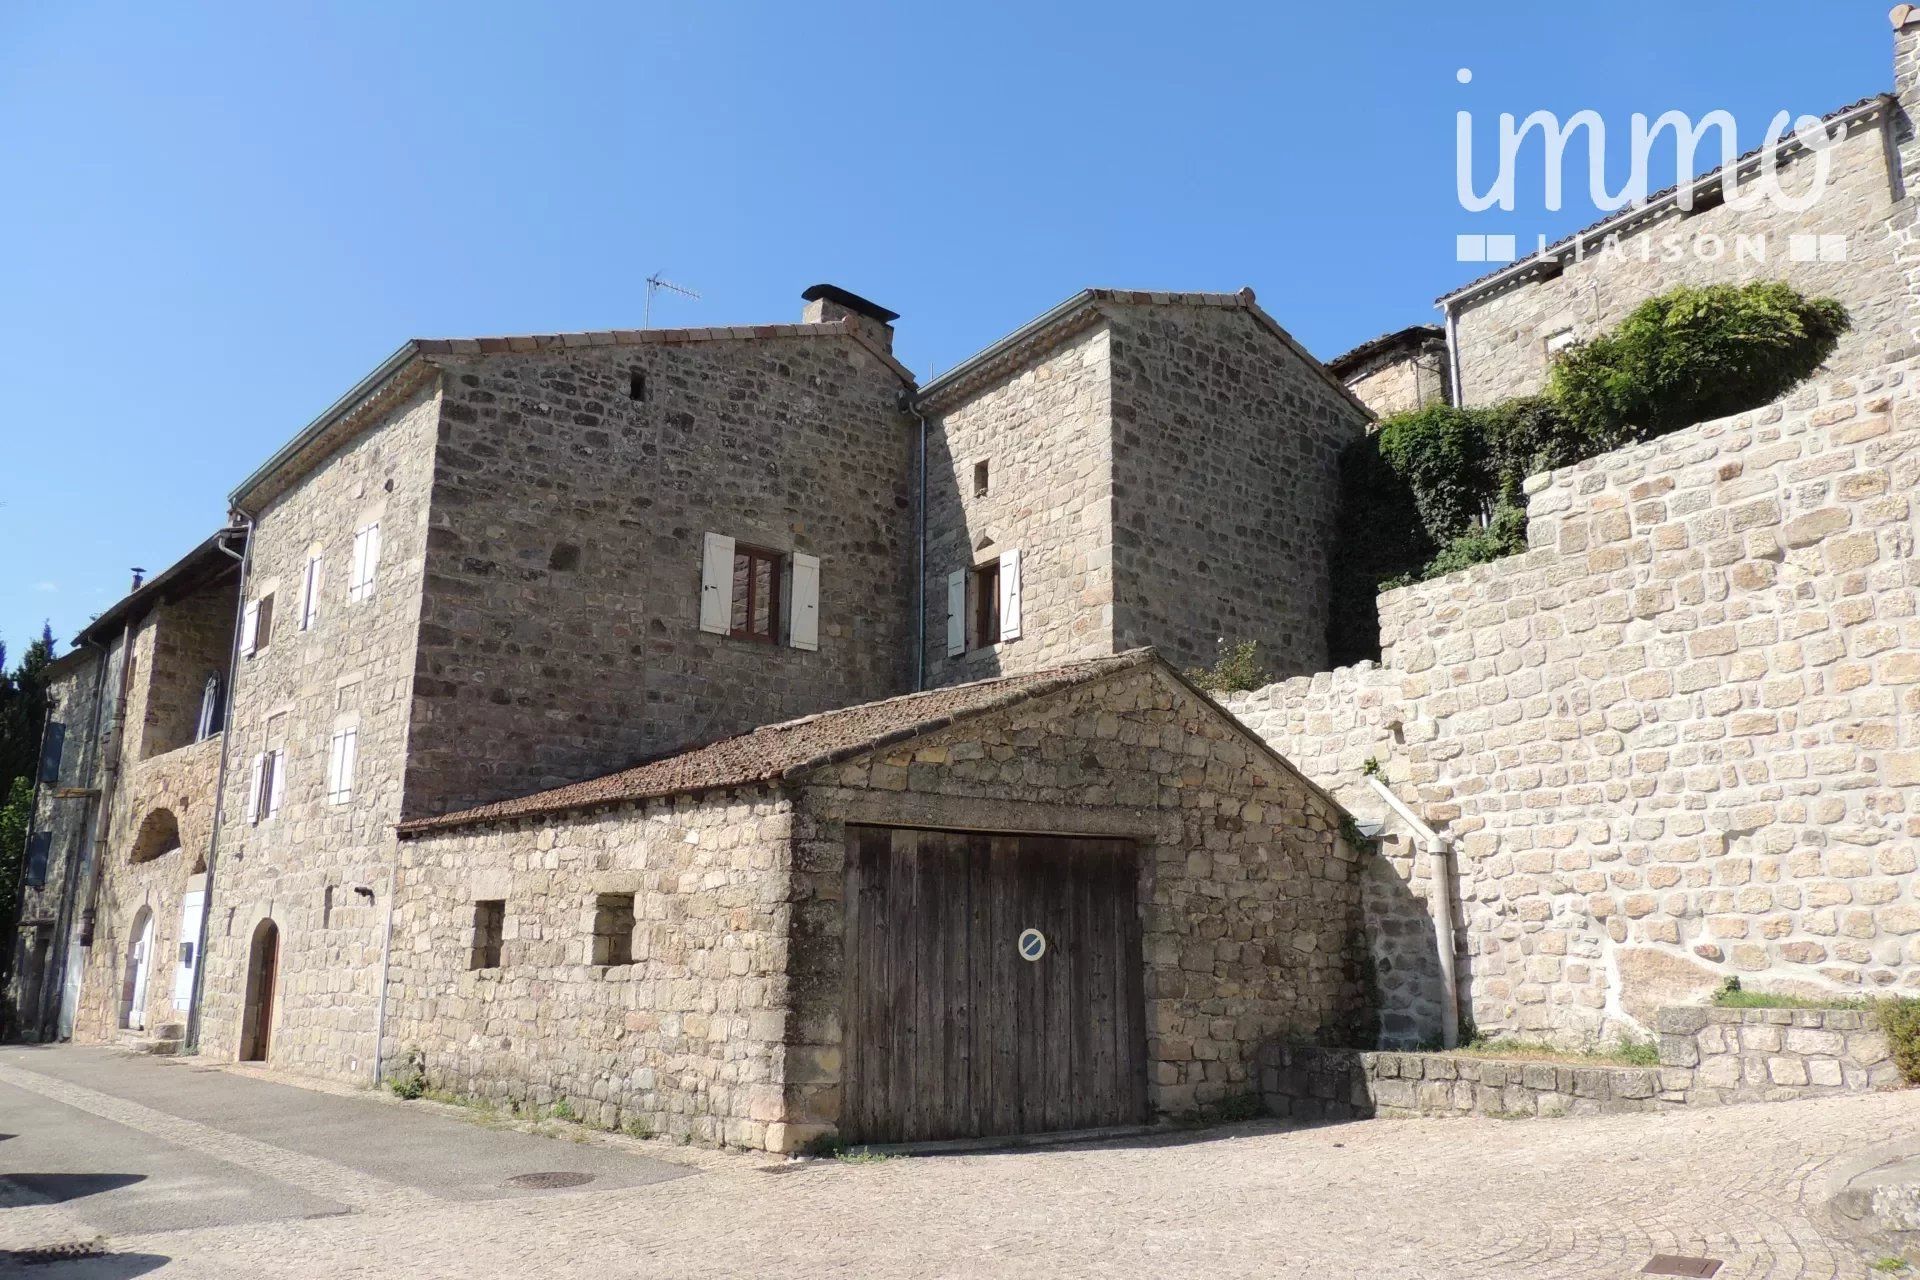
{"x":49,"y":915}
{"x":685,"y":1041}
{"x":321,"y":871}
{"x":1045,"y":432}
{"x":560,"y":632}
{"x":1674,"y":740}
{"x":1249,"y":898}
{"x":1767,"y":1055}
{"x":1501,"y":338}
{"x":192,"y":638}
{"x":1331,"y":725}
{"x":1226,"y":474}
{"x":1402,"y":379}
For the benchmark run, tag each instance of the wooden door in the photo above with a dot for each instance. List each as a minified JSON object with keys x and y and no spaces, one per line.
{"x":949,"y":1032}
{"x":263,"y":973}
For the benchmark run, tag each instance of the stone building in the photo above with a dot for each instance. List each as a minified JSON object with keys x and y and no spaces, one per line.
{"x":1854,"y":242}
{"x":810,"y":930}
{"x":1398,"y":372}
{"x":124,"y":816}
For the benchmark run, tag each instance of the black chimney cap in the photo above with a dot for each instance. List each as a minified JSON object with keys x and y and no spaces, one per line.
{"x":851,"y":301}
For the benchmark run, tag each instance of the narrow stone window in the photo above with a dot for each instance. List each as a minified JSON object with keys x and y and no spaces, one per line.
{"x":981,"y":478}
{"x":636,"y":385}
{"x":613,"y":929}
{"x":489,"y":926}
{"x":326,"y":909}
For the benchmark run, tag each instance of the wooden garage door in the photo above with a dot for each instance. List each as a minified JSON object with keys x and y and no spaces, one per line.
{"x":949,"y":1032}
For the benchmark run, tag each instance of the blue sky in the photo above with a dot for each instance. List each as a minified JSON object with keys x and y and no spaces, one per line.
{"x":217,"y":218}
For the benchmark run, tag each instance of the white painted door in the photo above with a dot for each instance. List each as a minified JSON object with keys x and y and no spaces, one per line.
{"x":142,"y":965}
{"x":190,"y":908}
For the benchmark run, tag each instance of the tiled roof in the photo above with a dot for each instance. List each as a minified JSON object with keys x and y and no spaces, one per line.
{"x":786,"y":750}
{"x":1630,"y":217}
{"x":1412,"y":335}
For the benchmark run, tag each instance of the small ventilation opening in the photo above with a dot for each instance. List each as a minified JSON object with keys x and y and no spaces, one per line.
{"x":981,"y":478}
{"x":636,"y":385}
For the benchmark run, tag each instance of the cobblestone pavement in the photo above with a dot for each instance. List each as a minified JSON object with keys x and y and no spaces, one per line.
{"x":1577,"y":1197}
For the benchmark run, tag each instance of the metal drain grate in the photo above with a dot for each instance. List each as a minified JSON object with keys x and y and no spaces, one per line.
{"x":54,"y":1253}
{"x":1674,"y":1264}
{"x":548,"y":1181}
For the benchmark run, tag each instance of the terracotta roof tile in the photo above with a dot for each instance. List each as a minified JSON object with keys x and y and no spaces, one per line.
{"x":791,"y":748}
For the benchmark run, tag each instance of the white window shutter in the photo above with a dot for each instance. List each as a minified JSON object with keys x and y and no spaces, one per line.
{"x":253,"y":787}
{"x":803,"y":627}
{"x":336,"y":749}
{"x":277,"y":787}
{"x":349,"y":753}
{"x":1009,"y":595}
{"x":716,"y":584}
{"x":956,"y":613}
{"x":310,"y":602}
{"x":250,"y":627}
{"x":373,"y":554}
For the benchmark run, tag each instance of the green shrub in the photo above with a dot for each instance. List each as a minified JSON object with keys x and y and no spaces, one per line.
{"x":1900,"y":1019}
{"x":1442,"y":488}
{"x":1236,"y":669}
{"x":1691,"y":355}
{"x":408,"y":1077}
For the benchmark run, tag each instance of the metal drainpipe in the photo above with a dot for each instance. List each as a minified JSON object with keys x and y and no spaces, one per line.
{"x":219,"y":787}
{"x":920,"y":588}
{"x":1440,"y":849}
{"x":1453,"y":353}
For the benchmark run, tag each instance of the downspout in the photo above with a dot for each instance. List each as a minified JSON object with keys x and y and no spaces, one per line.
{"x":245,"y":557}
{"x":1453,"y":352}
{"x":386,"y":957}
{"x":1440,"y":849}
{"x":920,"y":543}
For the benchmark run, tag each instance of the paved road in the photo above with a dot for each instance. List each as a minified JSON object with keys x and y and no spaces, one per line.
{"x":190,"y":1170}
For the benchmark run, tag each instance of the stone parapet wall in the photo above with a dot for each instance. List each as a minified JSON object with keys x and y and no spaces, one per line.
{"x":1754,"y":1055}
{"x":1708,"y":1056}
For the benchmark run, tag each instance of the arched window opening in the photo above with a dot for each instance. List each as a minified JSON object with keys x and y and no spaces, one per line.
{"x":158,"y":836}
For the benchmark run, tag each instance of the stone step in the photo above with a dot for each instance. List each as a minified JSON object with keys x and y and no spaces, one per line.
{"x":164,"y":1040}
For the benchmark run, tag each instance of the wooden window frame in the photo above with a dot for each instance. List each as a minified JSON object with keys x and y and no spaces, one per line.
{"x":985,"y":620}
{"x":776,"y":563}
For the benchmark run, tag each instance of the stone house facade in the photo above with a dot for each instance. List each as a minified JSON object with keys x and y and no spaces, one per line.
{"x":1854,"y":243}
{"x":1398,"y":372}
{"x":1132,"y":469}
{"x":720,"y":1011}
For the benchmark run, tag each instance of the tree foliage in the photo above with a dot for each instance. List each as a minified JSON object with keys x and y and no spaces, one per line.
{"x":1236,"y":668}
{"x":1443,"y":488}
{"x":1692,"y":355}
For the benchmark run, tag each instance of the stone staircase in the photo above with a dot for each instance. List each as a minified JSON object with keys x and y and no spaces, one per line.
{"x":164,"y":1039}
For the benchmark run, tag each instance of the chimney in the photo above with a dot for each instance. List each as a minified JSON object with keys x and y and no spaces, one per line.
{"x":827,"y":303}
{"x":139,"y":576}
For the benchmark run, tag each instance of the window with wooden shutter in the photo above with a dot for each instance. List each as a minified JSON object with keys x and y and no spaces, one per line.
{"x":276,"y":779}
{"x":341,"y":752}
{"x":250,"y":627}
{"x":263,"y":622}
{"x":253,"y":786}
{"x":956,"y":613}
{"x":366,"y":562}
{"x":716,"y":583}
{"x":986,"y":604}
{"x":803,"y":625}
{"x":1009,"y":595}
{"x":310,"y":594}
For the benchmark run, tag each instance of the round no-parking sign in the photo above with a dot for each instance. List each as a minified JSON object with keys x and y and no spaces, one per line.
{"x":1032,"y":944}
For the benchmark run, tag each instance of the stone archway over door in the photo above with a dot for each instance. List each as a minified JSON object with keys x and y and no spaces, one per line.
{"x":139,"y":967}
{"x":263,"y":975}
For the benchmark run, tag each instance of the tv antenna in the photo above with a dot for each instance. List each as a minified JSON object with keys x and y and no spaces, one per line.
{"x":654,"y":285}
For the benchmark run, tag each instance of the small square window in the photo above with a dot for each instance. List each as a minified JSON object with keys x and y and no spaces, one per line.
{"x":982,"y":478}
{"x":986,"y":604}
{"x":756,"y":595}
{"x":613,"y":929}
{"x":1557,"y":341}
{"x":489,"y":926}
